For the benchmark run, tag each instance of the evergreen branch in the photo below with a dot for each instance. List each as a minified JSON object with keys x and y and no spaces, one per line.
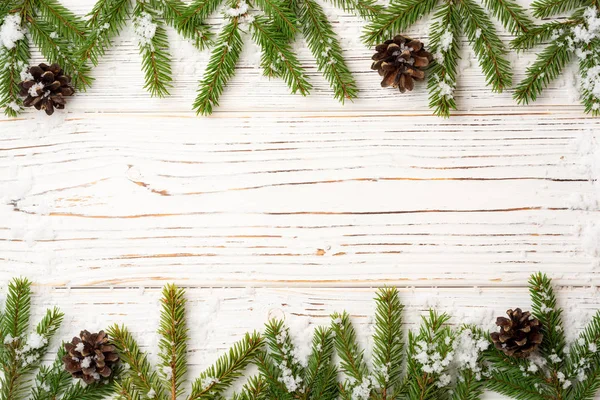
{"x":221,"y":375}
{"x":515,"y":386}
{"x":433,"y":344}
{"x":546,"y":68}
{"x":513,"y":16}
{"x":281,"y":349}
{"x":67,"y":24}
{"x":17,"y":309}
{"x":487,"y":45}
{"x":540,"y":34}
{"x":126,"y":390}
{"x":220,"y":69}
{"x":468,"y":387}
{"x":156,"y":59}
{"x":588,"y":67}
{"x":174,"y":336}
{"x":442,"y":80}
{"x":388,"y":346}
{"x":283,"y":17}
{"x":143,"y":377}
{"x":584,"y":362}
{"x":326,"y":49}
{"x":255,"y":389}
{"x":545,"y":310}
{"x":95,"y":391}
{"x":321,"y":372}
{"x":52,"y":381}
{"x":548,"y":8}
{"x":14,"y":62}
{"x":193,"y":29}
{"x":272,"y":376}
{"x":56,"y":50}
{"x":398,"y":17}
{"x":191,"y":21}
{"x":278,"y":58}
{"x":352,"y":358}
{"x":367,"y":9}
{"x":105,"y":22}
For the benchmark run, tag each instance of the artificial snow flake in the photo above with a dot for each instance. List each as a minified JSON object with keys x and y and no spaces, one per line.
{"x":144,"y":28}
{"x":11,"y":31}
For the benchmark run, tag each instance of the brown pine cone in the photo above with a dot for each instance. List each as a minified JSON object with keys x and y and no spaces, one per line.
{"x":519,"y":335}
{"x":90,"y":357}
{"x":401,"y":61}
{"x":46,"y":87}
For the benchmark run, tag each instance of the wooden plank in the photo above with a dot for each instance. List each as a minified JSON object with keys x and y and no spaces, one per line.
{"x":355,"y":201}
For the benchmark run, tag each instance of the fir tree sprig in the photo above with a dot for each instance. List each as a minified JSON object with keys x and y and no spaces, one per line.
{"x":326,"y":49}
{"x":221,"y":67}
{"x":192,"y":28}
{"x":578,"y":37}
{"x":290,"y":377}
{"x":142,"y":380}
{"x":54,"y":30}
{"x":442,"y":73}
{"x":173,"y":339}
{"x":154,"y":48}
{"x":255,"y":389}
{"x":278,"y":58}
{"x":451,"y":18}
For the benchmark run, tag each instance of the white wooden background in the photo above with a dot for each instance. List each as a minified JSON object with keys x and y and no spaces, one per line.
{"x":279,"y":205}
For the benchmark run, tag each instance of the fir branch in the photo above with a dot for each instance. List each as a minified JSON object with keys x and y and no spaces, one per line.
{"x":545,"y":310}
{"x":272,"y":376}
{"x":14,"y":62}
{"x":56,"y":50}
{"x":194,"y":28}
{"x":547,"y":67}
{"x":278,"y":58}
{"x":220,"y":69}
{"x":284,"y":19}
{"x":488,"y":47}
{"x":434,"y":341}
{"x":388,"y":346}
{"x":367,"y":9}
{"x":321,"y":373}
{"x":346,"y":345}
{"x":513,"y":16}
{"x":326,"y":49}
{"x":587,"y":68}
{"x":17,"y":308}
{"x":540,"y":34}
{"x":67,"y":24}
{"x":105,"y":21}
{"x":398,"y":17}
{"x":584,"y":362}
{"x":281,"y":348}
{"x":191,"y":21}
{"x":126,"y":390}
{"x":156,"y":59}
{"x":255,"y":389}
{"x":516,"y":386}
{"x":442,"y":74}
{"x":221,"y":375}
{"x":141,"y":373}
{"x":174,"y":336}
{"x":52,"y":381}
{"x":548,"y":8}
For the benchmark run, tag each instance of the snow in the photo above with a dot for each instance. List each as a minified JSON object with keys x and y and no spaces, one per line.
{"x":240,"y":10}
{"x":11,"y":31}
{"x":446,"y":41}
{"x":144,"y":28}
{"x":80,"y":347}
{"x":34,"y":89}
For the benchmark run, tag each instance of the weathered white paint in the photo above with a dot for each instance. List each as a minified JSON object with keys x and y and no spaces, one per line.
{"x":310,"y":202}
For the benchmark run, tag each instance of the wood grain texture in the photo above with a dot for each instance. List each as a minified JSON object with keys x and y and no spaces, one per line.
{"x":280,"y":205}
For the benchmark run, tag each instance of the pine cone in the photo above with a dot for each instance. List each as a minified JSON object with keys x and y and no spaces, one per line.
{"x":90,"y":357}
{"x":46,"y":87}
{"x":519,"y":335}
{"x":401,"y":61}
